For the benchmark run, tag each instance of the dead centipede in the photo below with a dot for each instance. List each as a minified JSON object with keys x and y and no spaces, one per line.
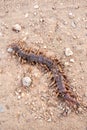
{"x":53,"y":65}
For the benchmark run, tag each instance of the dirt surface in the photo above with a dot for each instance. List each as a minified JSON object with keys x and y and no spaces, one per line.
{"x":54,"y":25}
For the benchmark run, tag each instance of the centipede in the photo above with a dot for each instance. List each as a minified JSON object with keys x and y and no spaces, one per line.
{"x":53,"y":65}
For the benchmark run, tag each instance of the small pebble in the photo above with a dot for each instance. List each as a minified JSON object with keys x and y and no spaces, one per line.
{"x":74,"y":89}
{"x":19,"y":97}
{"x":16,"y":28}
{"x":74,"y":37}
{"x":65,"y":22}
{"x":26,"y":15}
{"x":9,"y":50}
{"x":73,"y":24}
{"x":36,"y":6}
{"x":72,"y":60}
{"x":26,"y":81}
{"x":45,"y":47}
{"x":19,"y":91}
{"x":68,"y":52}
{"x":71,"y":15}
{"x":82,"y":78}
{"x":41,"y":20}
{"x":74,"y":79}
{"x":22,"y":94}
{"x":35,"y":13}
{"x":49,"y":120}
{"x":80,"y":110}
{"x":66,"y":63}
{"x":16,"y":93}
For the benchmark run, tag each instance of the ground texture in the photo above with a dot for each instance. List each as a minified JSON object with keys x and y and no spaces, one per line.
{"x":53,"y":25}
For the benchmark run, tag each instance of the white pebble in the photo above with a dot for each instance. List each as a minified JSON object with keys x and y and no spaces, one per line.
{"x":68,"y":52}
{"x":74,"y":90}
{"x":26,"y":15}
{"x":73,"y":24}
{"x":49,"y":120}
{"x":74,"y":37}
{"x":22,"y":94}
{"x":36,"y":6}
{"x":74,"y":79}
{"x":82,"y":78}
{"x":26,"y":81}
{"x":16,"y":28}
{"x":35,"y":13}
{"x":80,"y":110}
{"x":45,"y":47}
{"x":19,"y":97}
{"x":71,"y":15}
{"x":65,"y":22}
{"x":72,"y":60}
{"x":9,"y":50}
{"x":16,"y":93}
{"x":66,"y":63}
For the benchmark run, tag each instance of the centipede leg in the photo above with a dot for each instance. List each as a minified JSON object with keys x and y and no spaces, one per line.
{"x":53,"y":84}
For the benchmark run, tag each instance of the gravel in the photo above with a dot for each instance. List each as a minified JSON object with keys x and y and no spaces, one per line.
{"x":26,"y":81}
{"x":16,"y":28}
{"x":9,"y":50}
{"x":72,"y":60}
{"x":68,"y":52}
{"x":71,"y":15}
{"x":36,"y":6}
{"x":49,"y":120}
{"x":26,"y":15}
{"x":73,"y":24}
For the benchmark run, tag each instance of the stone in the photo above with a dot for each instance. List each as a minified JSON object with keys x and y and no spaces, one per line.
{"x":66,"y":63}
{"x":26,"y":15}
{"x":73,"y":24}
{"x":9,"y":50}
{"x":16,"y":28}
{"x":68,"y":52}
{"x":19,"y":97}
{"x":49,"y":120}
{"x":72,"y":60}
{"x":80,"y":110}
{"x":36,"y":6}
{"x":26,"y":81}
{"x":71,"y":15}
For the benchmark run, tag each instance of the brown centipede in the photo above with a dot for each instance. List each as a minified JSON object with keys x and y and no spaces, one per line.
{"x":53,"y":65}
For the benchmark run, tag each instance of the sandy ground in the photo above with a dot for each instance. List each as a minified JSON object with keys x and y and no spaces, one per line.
{"x":54,"y":25}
